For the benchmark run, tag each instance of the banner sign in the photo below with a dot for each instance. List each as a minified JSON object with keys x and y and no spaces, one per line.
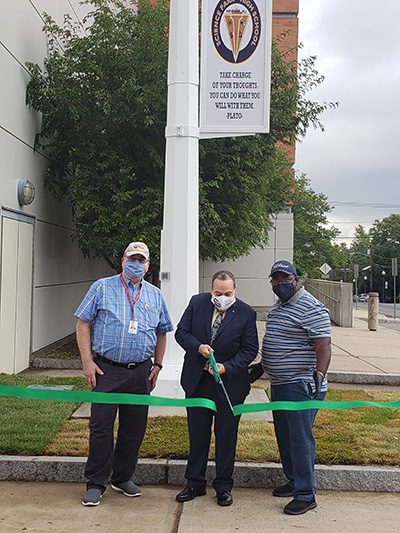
{"x":235,"y":66}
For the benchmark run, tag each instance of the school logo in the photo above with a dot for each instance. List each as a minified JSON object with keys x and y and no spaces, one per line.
{"x":236,"y":29}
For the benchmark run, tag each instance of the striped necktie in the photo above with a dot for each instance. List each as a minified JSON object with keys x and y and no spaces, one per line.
{"x":215,"y":327}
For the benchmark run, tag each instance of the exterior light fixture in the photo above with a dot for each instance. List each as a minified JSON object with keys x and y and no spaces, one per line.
{"x":25,"y":192}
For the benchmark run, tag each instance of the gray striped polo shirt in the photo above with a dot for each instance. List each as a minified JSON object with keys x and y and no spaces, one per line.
{"x":288,"y":353}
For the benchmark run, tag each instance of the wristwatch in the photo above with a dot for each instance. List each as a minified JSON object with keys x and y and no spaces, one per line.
{"x":158,"y":365}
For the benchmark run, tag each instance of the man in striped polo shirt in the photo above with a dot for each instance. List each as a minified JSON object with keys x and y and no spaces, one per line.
{"x":296,"y":354}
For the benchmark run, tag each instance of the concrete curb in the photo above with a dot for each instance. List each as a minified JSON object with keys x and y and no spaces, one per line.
{"x":171,"y":472}
{"x":364,"y":378}
{"x":61,"y":364}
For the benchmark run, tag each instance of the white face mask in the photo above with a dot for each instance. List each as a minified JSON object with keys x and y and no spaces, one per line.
{"x":222,"y":303}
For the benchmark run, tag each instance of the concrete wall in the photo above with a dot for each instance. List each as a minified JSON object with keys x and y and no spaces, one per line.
{"x":336,"y":296}
{"x":252,"y":271}
{"x":60,"y":273}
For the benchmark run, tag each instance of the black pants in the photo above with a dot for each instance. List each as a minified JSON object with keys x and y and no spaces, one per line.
{"x":103,"y":459}
{"x":225,"y":429}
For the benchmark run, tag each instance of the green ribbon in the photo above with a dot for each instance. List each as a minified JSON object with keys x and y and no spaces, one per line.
{"x":309,"y":404}
{"x":146,"y":399}
{"x":104,"y":397}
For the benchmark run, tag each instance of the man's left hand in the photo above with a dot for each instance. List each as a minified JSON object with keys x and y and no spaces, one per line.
{"x":153,"y":376}
{"x":221,"y":369}
{"x":318,"y":380}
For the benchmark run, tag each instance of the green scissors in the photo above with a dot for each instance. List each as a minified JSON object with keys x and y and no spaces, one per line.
{"x":218,"y":379}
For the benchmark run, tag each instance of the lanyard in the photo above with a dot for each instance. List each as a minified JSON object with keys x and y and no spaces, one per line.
{"x":128,"y":294}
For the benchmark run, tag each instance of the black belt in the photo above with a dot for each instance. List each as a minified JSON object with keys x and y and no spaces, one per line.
{"x":99,"y":357}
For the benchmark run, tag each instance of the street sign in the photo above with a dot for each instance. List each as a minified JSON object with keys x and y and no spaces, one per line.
{"x":235,"y":66}
{"x":356,"y":271}
{"x":325,"y":268}
{"x":394,"y":266}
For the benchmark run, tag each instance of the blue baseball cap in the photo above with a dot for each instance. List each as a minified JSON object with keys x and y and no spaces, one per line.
{"x":285,"y":267}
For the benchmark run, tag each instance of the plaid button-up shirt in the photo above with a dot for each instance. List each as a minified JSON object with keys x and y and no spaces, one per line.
{"x":107,"y":308}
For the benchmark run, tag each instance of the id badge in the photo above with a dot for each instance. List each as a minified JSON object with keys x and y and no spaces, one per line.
{"x":133,"y":327}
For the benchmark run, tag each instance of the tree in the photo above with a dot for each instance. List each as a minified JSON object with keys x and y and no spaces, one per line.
{"x":312,"y":238}
{"x":385,"y":245}
{"x":373,"y":251}
{"x":102,"y":96}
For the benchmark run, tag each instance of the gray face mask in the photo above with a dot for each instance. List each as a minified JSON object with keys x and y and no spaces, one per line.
{"x":222,"y":303}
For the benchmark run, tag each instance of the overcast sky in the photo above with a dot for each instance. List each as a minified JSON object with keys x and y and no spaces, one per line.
{"x":357,"y":158}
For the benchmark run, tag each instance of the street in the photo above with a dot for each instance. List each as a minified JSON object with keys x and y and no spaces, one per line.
{"x":384,"y":309}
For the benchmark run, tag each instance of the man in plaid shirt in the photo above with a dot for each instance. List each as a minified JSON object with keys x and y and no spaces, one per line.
{"x":122,"y":324}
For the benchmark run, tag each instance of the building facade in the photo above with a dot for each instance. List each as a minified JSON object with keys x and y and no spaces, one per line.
{"x":43,"y":274}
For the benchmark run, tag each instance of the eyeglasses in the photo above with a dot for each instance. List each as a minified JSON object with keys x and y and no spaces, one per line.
{"x":282,"y":281}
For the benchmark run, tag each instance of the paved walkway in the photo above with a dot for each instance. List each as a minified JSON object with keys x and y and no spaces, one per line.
{"x":359,"y":350}
{"x":49,"y":507}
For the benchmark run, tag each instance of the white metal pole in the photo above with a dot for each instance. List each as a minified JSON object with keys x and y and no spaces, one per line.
{"x":179,"y":238}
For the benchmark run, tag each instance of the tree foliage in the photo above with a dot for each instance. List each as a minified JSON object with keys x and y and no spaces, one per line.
{"x":312,"y":237}
{"x":102,"y":95}
{"x":375,"y":248}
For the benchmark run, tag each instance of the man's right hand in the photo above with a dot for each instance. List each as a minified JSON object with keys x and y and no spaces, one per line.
{"x":204,"y":350}
{"x":90,"y":369}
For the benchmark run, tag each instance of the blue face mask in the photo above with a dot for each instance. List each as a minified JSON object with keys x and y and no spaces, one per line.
{"x":284,"y":291}
{"x":134,"y":269}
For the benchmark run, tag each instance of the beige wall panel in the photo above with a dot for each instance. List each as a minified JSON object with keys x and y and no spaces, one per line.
{"x":53,"y":312}
{"x":19,"y":161}
{"x":23,"y":298}
{"x":9,"y":254}
{"x":58,"y":260}
{"x":19,"y":29}
{"x":284,"y":234}
{"x":252,"y":271}
{"x":255,"y":292}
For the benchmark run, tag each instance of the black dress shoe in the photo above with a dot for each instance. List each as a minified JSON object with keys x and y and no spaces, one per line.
{"x":285,"y":491}
{"x":224,"y":498}
{"x":189,"y":493}
{"x":300,"y":506}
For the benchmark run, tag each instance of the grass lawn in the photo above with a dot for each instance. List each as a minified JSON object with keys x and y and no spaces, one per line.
{"x":357,"y":436}
{"x":27,"y":426}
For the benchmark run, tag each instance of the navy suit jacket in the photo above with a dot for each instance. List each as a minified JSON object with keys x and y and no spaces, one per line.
{"x":236,"y":344}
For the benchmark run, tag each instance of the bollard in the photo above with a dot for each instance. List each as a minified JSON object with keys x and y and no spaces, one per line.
{"x":373,"y":310}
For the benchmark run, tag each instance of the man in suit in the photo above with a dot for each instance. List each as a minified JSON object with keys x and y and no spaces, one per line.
{"x":226,"y":326}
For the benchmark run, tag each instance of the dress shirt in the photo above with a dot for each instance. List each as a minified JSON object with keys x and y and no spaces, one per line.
{"x":107,"y":308}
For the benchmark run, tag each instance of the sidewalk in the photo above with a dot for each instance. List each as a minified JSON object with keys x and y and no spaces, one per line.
{"x":357,"y":349}
{"x":49,"y":507}
{"x":360,"y":351}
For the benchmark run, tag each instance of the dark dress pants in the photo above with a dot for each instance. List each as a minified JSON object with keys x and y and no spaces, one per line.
{"x":225,"y":429}
{"x":294,"y":434}
{"x":103,"y":459}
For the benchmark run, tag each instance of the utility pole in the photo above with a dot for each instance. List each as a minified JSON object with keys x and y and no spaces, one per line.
{"x":179,"y":237}
{"x":394,"y":274}
{"x":370,"y":270}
